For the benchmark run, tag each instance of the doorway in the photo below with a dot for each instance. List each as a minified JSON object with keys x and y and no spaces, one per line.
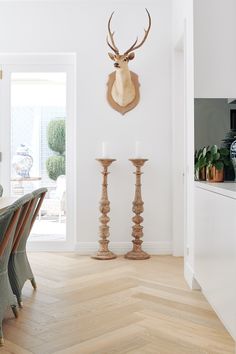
{"x":37,"y":95}
{"x":179,"y":149}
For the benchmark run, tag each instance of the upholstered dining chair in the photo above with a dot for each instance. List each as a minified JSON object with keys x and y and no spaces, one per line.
{"x":19,"y":269}
{"x":8,"y":223}
{"x":1,"y":190}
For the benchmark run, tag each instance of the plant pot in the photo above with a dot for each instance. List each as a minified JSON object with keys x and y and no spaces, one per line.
{"x":214,"y":175}
{"x":202,"y":174}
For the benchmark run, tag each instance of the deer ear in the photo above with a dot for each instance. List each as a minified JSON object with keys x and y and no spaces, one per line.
{"x":131,"y":56}
{"x":112,"y":56}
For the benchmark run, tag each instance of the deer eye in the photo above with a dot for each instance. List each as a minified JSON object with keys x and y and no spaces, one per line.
{"x":125,"y":59}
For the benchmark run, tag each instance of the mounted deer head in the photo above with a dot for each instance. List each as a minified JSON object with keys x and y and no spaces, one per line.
{"x":123,"y":85}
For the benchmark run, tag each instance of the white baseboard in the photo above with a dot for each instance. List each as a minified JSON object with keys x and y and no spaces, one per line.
{"x":50,"y":246}
{"x":189,"y":277}
{"x":120,"y":248}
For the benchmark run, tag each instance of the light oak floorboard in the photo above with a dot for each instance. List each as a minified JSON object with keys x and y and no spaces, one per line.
{"x":87,"y":306}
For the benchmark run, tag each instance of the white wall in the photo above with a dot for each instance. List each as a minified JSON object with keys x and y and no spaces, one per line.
{"x":178,"y":113}
{"x":183,"y":28}
{"x":81,"y":28}
{"x":215,"y":48}
{"x":215,"y":77}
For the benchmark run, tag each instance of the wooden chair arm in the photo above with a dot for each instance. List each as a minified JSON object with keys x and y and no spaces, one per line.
{"x":9,"y":231}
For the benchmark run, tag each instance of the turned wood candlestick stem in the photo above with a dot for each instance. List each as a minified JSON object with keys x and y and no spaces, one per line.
{"x":137,"y":233}
{"x":104,"y":252}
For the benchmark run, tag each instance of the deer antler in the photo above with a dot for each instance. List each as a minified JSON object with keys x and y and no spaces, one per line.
{"x":111,"y":35}
{"x":131,"y":48}
{"x":134,"y":46}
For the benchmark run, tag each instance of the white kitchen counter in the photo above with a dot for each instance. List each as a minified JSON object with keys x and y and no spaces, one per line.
{"x":227,"y":189}
{"x":215,"y":247}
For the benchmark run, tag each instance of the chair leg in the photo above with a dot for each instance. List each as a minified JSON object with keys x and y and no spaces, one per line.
{"x":15,"y":311}
{"x":34,"y":285}
{"x":1,"y":337}
{"x":20,"y":303}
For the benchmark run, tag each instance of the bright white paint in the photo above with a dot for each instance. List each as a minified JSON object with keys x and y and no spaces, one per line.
{"x":215,"y":248}
{"x":81,"y":29}
{"x":214,"y":73}
{"x":215,"y":48}
{"x":178,"y":147}
{"x":215,"y":77}
{"x":183,"y":28}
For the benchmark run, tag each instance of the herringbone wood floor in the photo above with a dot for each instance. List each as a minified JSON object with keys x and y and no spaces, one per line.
{"x":84,"y":306}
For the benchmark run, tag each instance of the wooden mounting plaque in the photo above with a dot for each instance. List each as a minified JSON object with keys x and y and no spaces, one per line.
{"x":116,"y":106}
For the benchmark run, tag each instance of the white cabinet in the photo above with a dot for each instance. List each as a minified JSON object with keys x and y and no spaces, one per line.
{"x":215,"y":248}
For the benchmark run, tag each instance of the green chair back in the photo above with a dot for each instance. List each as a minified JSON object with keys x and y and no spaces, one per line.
{"x":9,"y":219}
{"x":25,"y":203}
{"x":8,"y":223}
{"x":30,"y":215}
{"x":19,"y":269}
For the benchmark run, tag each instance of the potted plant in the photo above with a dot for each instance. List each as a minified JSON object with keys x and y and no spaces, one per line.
{"x":217,"y":159}
{"x":200,"y":164}
{"x":56,"y":141}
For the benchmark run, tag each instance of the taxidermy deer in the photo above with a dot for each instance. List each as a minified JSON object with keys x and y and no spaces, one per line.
{"x":123,"y":85}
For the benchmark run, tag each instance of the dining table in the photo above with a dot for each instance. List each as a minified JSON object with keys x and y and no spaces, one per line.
{"x":6,"y":202}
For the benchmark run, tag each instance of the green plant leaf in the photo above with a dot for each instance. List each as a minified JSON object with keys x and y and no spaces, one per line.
{"x":210,"y":159}
{"x":214,"y":149}
{"x":55,"y":166}
{"x":219,"y":165}
{"x":56,"y":133}
{"x":216,"y":156}
{"x":224,"y":152}
{"x":204,"y":151}
{"x":199,"y":153}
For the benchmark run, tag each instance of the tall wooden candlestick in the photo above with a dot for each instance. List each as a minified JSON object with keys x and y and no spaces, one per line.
{"x":104,"y":252}
{"x":137,"y":252}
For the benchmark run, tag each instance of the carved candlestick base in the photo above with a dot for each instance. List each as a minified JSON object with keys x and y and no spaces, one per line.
{"x":103,"y":252}
{"x":137,"y":252}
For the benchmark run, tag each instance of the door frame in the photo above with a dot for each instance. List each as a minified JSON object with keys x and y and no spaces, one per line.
{"x":179,"y":147}
{"x":43,"y":62}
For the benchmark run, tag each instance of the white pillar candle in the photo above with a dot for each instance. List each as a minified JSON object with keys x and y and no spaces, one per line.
{"x":104,"y":149}
{"x":137,"y":150}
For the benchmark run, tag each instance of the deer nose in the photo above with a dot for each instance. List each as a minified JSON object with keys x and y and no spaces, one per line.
{"x":116,"y":65}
